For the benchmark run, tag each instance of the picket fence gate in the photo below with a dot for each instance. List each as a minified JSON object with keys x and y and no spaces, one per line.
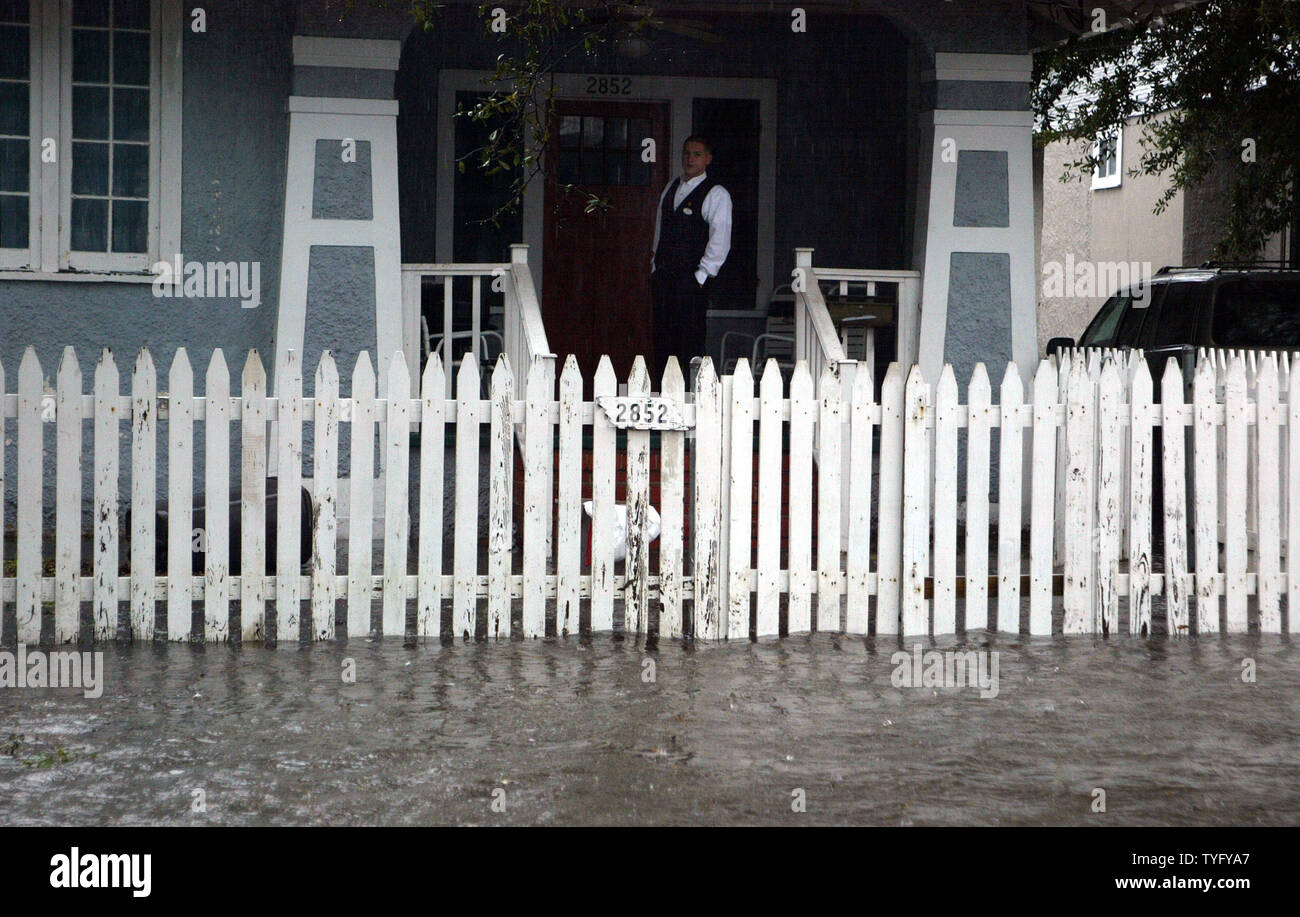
{"x":1086,"y":432}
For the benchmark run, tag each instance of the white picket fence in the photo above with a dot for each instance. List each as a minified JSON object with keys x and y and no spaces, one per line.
{"x":730,"y":577}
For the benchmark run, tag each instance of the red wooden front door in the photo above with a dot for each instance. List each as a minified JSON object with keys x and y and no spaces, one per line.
{"x":596,"y":269}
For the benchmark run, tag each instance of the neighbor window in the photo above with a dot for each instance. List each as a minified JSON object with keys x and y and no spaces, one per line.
{"x":1110,"y":161}
{"x":89,"y":134}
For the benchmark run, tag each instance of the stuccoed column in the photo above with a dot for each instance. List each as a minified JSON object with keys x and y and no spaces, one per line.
{"x":340,"y":280}
{"x":975,"y":219}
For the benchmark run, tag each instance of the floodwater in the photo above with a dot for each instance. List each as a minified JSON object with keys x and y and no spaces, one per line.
{"x":608,"y":732}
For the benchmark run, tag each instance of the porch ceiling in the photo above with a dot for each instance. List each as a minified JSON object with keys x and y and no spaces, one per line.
{"x":1052,"y":22}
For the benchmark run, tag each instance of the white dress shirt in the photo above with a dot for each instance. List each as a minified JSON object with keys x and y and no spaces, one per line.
{"x":716,"y":211}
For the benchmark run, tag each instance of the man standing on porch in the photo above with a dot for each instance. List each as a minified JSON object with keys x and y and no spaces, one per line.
{"x":692,"y":239}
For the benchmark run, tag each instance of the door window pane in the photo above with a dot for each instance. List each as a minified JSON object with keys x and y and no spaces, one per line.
{"x":638,"y":171}
{"x":570,"y":132}
{"x":616,"y":168}
{"x":616,"y":133}
{"x":591,"y":169}
{"x":569,"y":174}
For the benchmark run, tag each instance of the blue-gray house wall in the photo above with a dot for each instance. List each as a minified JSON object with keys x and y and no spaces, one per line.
{"x":236,"y":79}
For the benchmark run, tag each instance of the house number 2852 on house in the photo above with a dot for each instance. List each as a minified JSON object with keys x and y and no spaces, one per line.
{"x":643,"y":413}
{"x":609,"y":86}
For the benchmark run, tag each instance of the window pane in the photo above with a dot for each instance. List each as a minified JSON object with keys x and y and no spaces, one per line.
{"x":1102,"y":330}
{"x":90,"y":112}
{"x":89,"y":225}
{"x":131,"y":14}
{"x":1258,"y":313}
{"x":1177,"y":314}
{"x":1130,"y":329}
{"x":13,"y":221}
{"x":568,"y":174}
{"x":616,"y":168}
{"x":13,"y":165}
{"x":638,"y":130}
{"x":90,"y":12}
{"x":593,"y":132}
{"x":591,"y":169}
{"x":639,"y":173}
{"x":616,"y":133}
{"x":90,"y":168}
{"x":14,"y":113}
{"x":131,"y":114}
{"x":570,"y":125}
{"x":130,"y":170}
{"x":14,"y":11}
{"x":130,"y":226}
{"x":14,"y":61}
{"x":89,"y":56}
{"x":131,"y":58}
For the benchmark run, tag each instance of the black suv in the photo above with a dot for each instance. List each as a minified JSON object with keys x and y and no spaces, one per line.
{"x":1242,"y":307}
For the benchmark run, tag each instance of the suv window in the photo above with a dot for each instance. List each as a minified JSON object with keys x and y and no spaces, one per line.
{"x":1101,"y":330}
{"x":1176,"y":323}
{"x":1135,"y":327}
{"x":1255,"y":312}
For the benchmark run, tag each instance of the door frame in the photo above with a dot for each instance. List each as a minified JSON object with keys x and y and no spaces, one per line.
{"x":677,"y":91}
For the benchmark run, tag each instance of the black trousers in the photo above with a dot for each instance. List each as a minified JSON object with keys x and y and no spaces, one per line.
{"x":680,"y":307}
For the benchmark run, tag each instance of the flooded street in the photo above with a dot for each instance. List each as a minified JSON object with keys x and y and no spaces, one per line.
{"x":578,"y":733}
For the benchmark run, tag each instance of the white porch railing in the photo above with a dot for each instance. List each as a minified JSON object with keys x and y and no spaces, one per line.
{"x":815,"y":340}
{"x":523,"y":334}
{"x":446,"y":332}
{"x":816,"y":337}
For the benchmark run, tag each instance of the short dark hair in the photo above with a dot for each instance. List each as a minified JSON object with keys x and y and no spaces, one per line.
{"x":701,"y":140}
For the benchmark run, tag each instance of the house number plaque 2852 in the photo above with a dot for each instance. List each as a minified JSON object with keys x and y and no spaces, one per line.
{"x":644,"y":413}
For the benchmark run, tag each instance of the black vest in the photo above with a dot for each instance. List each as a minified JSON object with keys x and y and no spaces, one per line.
{"x":683,"y":231}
